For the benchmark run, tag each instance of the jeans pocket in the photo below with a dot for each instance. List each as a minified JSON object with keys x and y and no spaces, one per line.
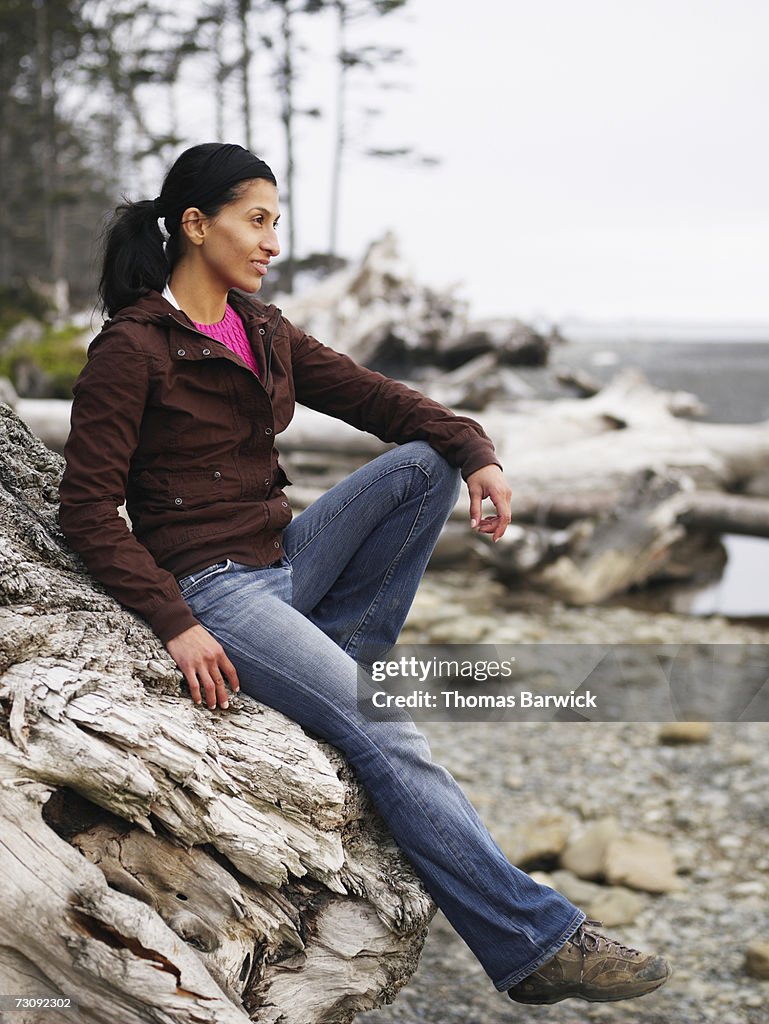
{"x":196,"y":580}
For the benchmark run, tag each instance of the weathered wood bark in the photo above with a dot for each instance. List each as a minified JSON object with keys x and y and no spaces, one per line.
{"x":158,"y":861}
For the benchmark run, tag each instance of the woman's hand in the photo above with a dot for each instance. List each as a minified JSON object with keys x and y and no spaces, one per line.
{"x":489,"y":482}
{"x":202,"y":660}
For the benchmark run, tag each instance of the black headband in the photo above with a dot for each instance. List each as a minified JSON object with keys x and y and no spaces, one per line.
{"x":224,"y":167}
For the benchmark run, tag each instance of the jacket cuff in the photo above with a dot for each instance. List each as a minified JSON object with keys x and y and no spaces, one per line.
{"x":171,"y":619}
{"x":480,"y":457}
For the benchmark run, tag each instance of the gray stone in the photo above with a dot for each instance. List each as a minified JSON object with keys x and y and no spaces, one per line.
{"x":585,"y":855}
{"x":641,"y":861}
{"x":757,"y":960}
{"x":742,"y":753}
{"x":676,"y":733}
{"x":578,"y":890}
{"x":611,"y":905}
{"x":471,"y":628}
{"x":514,"y":781}
{"x":615,"y":905}
{"x":542,"y":838}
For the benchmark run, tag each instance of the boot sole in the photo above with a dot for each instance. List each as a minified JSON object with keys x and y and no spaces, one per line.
{"x":597,"y":996}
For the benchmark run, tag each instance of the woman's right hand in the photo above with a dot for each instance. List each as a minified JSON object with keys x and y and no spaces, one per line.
{"x":205,"y":666}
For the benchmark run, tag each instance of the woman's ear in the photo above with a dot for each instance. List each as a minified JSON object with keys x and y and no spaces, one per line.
{"x":194,"y":223}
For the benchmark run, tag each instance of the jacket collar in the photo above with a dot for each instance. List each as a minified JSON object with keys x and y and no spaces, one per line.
{"x":153,"y":308}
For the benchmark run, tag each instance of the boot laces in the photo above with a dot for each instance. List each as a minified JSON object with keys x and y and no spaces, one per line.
{"x":589,"y":941}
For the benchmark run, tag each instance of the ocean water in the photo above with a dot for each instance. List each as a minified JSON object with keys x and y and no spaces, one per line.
{"x":730,"y":378}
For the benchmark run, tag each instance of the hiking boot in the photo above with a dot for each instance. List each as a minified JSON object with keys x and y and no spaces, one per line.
{"x":590,"y":966}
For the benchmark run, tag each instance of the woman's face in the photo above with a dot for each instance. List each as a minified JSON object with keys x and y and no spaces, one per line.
{"x":237,"y":244}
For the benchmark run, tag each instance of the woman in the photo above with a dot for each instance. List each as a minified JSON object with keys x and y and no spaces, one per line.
{"x":176,"y":413}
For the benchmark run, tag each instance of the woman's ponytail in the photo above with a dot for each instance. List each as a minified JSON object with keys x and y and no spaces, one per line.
{"x":134,"y":261}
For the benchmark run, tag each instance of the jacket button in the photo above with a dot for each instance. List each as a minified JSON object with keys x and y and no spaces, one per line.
{"x":268,"y":430}
{"x":217,"y":475}
{"x":266,"y":480}
{"x":284,"y":504}
{"x":178,"y":501}
{"x":262,"y":330}
{"x":206,"y":351}
{"x":276,"y":543}
{"x":181,"y":352}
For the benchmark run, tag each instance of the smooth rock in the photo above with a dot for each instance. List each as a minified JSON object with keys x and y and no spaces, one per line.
{"x":615,"y":905}
{"x":578,"y":890}
{"x":641,"y":861}
{"x":757,"y":960}
{"x":685,"y":732}
{"x":585,"y":855}
{"x":742,"y":753}
{"x":611,"y":905}
{"x":543,"y":838}
{"x":471,"y":628}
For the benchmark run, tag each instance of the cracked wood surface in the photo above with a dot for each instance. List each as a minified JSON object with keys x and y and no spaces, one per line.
{"x":159,"y":862}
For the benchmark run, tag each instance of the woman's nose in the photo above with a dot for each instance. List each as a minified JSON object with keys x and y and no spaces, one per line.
{"x":271,"y":244}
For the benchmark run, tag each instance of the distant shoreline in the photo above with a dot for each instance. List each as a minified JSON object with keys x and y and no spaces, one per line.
{"x":624,"y":331}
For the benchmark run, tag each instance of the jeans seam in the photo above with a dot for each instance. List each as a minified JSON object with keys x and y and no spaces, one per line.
{"x":350,"y":644}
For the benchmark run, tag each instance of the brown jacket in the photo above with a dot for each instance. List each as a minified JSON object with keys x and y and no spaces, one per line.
{"x":174,"y":424}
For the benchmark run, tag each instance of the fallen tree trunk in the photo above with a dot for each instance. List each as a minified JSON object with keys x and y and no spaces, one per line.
{"x":715,"y":511}
{"x":159,"y":861}
{"x":727,"y":513}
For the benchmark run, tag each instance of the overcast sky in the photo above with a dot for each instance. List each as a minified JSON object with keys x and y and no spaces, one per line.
{"x":599,"y":158}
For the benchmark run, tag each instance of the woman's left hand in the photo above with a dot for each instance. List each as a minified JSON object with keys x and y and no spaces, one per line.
{"x":489,"y":482}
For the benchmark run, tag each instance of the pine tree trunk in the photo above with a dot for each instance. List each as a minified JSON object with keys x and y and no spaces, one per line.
{"x":287,"y":117}
{"x":341,"y":124}
{"x":244,"y":6}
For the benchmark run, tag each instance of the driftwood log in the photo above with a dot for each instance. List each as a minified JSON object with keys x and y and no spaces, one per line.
{"x":160,"y":862}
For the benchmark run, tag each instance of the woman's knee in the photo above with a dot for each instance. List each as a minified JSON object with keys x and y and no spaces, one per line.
{"x":441,"y":475}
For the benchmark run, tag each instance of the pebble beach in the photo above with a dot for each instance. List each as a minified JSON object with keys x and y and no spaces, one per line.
{"x":705,"y":801}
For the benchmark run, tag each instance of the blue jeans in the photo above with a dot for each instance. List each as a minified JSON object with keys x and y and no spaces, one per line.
{"x":353,"y":563}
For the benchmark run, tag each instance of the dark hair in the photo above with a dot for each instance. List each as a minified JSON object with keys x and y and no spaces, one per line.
{"x":136,"y":258}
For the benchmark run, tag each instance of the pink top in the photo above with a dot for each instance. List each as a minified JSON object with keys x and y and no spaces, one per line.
{"x":231,"y":332}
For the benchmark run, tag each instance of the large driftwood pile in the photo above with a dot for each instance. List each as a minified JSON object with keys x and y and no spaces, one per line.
{"x":159,"y":862}
{"x":609,"y":491}
{"x":377,"y":312}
